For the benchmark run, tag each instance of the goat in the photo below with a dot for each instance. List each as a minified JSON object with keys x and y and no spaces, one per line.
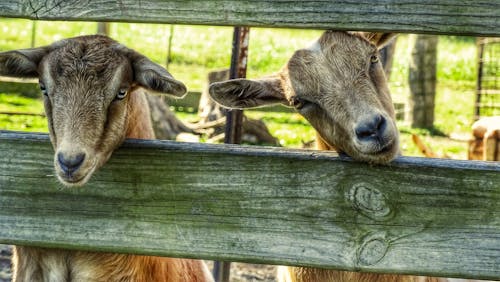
{"x":486,"y":143}
{"x":93,"y":99}
{"x":339,"y":86}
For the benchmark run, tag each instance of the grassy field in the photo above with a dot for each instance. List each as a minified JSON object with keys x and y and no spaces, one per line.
{"x":196,"y":50}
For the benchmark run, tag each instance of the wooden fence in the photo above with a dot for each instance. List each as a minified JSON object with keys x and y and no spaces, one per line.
{"x":468,"y":17}
{"x":260,"y":204}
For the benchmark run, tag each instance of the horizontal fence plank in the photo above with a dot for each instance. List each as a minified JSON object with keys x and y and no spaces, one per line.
{"x":467,"y":17}
{"x":259,"y":204}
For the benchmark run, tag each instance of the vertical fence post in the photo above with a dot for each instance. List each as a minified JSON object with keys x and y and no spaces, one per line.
{"x":169,"y":50}
{"x":103,"y":28}
{"x":33,"y":34}
{"x":234,"y":118}
{"x":480,"y":50}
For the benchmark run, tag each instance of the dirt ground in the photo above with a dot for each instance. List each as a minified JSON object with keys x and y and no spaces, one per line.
{"x":240,"y":272}
{"x":246,"y":272}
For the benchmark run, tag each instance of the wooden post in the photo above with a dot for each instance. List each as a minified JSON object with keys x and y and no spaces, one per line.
{"x":422,"y":79}
{"x":480,"y":50}
{"x":33,"y":34}
{"x":169,"y":47}
{"x":103,"y":28}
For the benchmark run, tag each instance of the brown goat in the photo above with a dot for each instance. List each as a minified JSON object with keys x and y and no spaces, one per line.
{"x":339,"y":86}
{"x":93,"y":101}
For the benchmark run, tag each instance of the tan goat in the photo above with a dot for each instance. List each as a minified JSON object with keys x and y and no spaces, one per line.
{"x":339,"y":86}
{"x":93,"y":101}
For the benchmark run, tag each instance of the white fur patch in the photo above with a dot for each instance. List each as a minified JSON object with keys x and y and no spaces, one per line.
{"x":208,"y":274}
{"x":283,"y":274}
{"x":117,"y":78}
{"x":315,"y":46}
{"x":47,"y":78}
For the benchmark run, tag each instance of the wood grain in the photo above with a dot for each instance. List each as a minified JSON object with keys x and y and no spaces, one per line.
{"x":259,"y":204}
{"x":467,"y":17}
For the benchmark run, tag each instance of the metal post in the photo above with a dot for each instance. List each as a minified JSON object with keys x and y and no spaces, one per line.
{"x":221,"y":271}
{"x":234,"y":118}
{"x":480,"y":50}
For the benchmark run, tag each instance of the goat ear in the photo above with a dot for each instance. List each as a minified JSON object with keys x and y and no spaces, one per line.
{"x":379,"y":39}
{"x":22,"y":63}
{"x":155,"y":78}
{"x":245,"y":93}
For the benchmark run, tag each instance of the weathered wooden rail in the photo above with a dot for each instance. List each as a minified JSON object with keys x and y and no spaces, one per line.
{"x":469,"y":17}
{"x":270,"y":205}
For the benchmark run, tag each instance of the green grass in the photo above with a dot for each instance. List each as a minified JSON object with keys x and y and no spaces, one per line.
{"x":196,"y":50}
{"x":456,"y":74}
{"x":16,"y":103}
{"x":9,"y":102}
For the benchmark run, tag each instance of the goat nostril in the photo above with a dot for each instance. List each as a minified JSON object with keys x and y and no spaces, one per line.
{"x":70,"y":164}
{"x":382,"y":123}
{"x":371,"y":129}
{"x":363,"y":132}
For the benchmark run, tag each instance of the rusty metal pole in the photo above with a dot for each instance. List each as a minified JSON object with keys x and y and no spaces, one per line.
{"x":480,"y":50}
{"x":234,"y":118}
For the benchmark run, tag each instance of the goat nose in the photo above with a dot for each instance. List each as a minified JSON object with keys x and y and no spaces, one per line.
{"x":70,"y":164}
{"x":371,"y":130}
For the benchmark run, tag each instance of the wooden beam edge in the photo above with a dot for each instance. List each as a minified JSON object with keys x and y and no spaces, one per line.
{"x":279,"y":152}
{"x":445,"y":17}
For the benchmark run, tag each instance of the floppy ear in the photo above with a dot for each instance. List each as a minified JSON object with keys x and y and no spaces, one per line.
{"x":154,"y":77}
{"x":245,"y":93}
{"x":379,"y":39}
{"x":22,"y":63}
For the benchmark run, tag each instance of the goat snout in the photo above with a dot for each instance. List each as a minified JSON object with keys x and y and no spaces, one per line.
{"x":371,"y":130}
{"x":70,"y":163}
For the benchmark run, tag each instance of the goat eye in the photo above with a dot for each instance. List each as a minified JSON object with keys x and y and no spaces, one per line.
{"x":43,"y":89}
{"x":121,"y":94}
{"x":374,"y":59}
{"x":298,"y":103}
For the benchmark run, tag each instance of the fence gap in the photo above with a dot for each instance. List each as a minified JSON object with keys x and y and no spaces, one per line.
{"x":234,"y":118}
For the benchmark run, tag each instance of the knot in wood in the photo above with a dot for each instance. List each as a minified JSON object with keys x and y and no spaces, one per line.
{"x":372,"y":250}
{"x":369,"y":200}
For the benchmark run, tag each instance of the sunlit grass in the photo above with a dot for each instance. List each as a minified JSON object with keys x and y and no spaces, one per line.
{"x":16,"y":103}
